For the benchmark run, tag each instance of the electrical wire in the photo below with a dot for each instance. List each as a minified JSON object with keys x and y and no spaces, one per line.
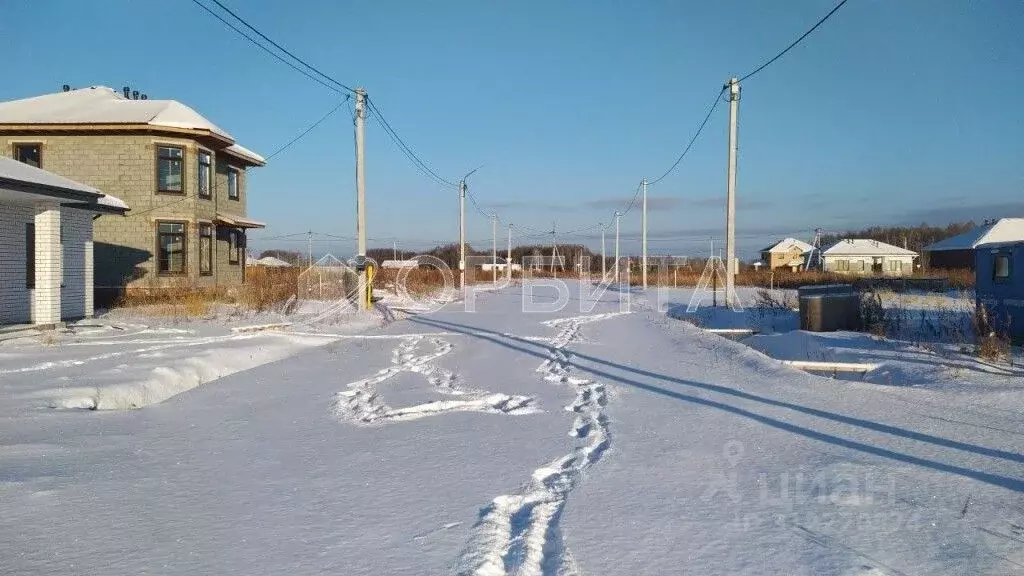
{"x":282,"y":48}
{"x":631,"y":203}
{"x":416,"y":160}
{"x":310,"y":129}
{"x":795,"y":42}
{"x":267,"y":50}
{"x":132,"y":213}
{"x":484,"y":213}
{"x":686,"y":150}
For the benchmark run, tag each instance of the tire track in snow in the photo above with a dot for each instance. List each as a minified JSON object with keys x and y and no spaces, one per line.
{"x":360,"y":403}
{"x":518,"y":534}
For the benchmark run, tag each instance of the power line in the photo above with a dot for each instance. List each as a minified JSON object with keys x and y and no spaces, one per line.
{"x":686,"y":150}
{"x":282,"y":48}
{"x":267,"y":50}
{"x":416,"y":160}
{"x":476,"y":205}
{"x":795,"y":42}
{"x":632,"y":202}
{"x":310,"y":129}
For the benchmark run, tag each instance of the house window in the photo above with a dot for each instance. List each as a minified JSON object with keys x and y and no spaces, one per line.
{"x":234,"y":246}
{"x":860,"y":266}
{"x":170,"y":247}
{"x":205,"y":249}
{"x":169,"y":169}
{"x":895,"y":266}
{"x":203,"y":173}
{"x":1001,"y":267}
{"x":232,"y":184}
{"x":30,"y":154}
{"x":30,"y":256}
{"x":843,"y":265}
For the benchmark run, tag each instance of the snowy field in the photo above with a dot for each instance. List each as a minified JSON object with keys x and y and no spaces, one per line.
{"x":587,"y":440}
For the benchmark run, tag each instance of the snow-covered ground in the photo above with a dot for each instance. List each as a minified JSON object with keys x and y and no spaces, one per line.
{"x":588,"y":440}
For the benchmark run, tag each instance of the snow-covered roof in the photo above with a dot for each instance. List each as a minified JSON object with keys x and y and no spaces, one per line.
{"x":104,"y":105}
{"x":1002,"y":230}
{"x":114,"y":202}
{"x":865,"y":247}
{"x":13,"y":171}
{"x":786,"y":244}
{"x":271,"y":261}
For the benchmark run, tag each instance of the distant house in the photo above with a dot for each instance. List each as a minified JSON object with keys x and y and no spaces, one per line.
{"x":958,"y":251}
{"x":411,"y":263}
{"x":786,"y":253}
{"x":500,"y":266}
{"x":868,"y":257}
{"x":46,"y":244}
{"x":184,"y":177}
{"x":999,"y":285}
{"x":269,"y":262}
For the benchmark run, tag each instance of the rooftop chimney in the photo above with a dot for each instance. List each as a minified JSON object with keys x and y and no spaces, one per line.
{"x":135,"y":94}
{"x":127,"y":91}
{"x":144,"y":97}
{"x":67,"y":88}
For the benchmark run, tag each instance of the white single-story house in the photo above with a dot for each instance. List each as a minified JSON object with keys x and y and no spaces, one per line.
{"x":958,"y":251}
{"x":500,"y":266}
{"x":46,"y":247}
{"x":868,"y":257}
{"x":412,"y":263}
{"x":268,"y":261}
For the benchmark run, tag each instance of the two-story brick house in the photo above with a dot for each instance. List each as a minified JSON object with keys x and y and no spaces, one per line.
{"x":184,"y":178}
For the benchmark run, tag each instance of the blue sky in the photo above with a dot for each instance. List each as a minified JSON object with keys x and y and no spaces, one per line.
{"x":893,"y":111}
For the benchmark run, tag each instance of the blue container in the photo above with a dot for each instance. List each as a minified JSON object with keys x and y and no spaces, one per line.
{"x":999,"y":285}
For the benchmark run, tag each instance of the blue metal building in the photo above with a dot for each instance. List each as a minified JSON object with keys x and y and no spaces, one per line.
{"x":999,"y":285}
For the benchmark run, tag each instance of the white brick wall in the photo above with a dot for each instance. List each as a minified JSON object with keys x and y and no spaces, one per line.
{"x":73,"y":263}
{"x":76,"y":294}
{"x":46,"y":298}
{"x":15,"y":298}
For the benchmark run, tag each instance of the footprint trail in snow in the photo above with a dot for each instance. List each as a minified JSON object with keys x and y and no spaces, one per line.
{"x":360,"y":403}
{"x":518,"y":534}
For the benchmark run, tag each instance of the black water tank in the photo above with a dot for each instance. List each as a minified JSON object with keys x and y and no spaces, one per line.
{"x":829,"y":308}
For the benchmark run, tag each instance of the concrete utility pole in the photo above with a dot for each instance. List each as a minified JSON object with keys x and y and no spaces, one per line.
{"x":643,"y":258}
{"x":733,"y":88}
{"x":508,"y":261}
{"x":618,"y":215}
{"x":494,"y":248}
{"x":462,"y":229}
{"x":604,"y":272}
{"x":554,"y":250}
{"x":394,"y":249}
{"x":462,"y":234}
{"x":361,"y":194}
{"x":309,"y":238}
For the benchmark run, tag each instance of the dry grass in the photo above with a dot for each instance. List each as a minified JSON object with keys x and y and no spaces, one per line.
{"x":417,"y":281}
{"x":264,"y":288}
{"x":989,"y":344}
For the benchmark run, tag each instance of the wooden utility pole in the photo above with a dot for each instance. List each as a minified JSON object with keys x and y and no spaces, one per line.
{"x":508,"y":261}
{"x":494,"y":248}
{"x":361,"y":196}
{"x":733,"y":88}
